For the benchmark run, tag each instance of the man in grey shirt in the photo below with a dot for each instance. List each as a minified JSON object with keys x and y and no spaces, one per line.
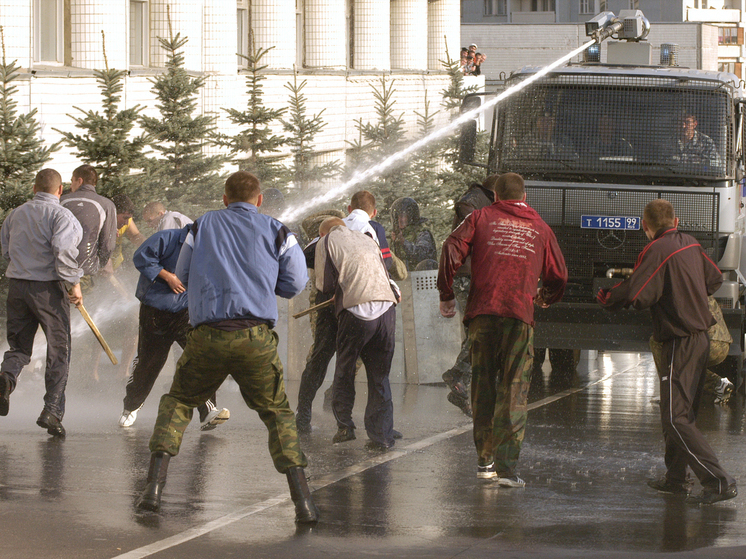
{"x":40,"y":239}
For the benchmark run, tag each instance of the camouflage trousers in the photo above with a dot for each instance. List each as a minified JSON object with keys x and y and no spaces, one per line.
{"x":250,"y":357}
{"x":718,"y":353}
{"x":501,"y":362}
{"x":462,"y":368}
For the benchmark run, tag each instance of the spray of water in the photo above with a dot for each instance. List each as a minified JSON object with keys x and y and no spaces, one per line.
{"x":361,"y":176}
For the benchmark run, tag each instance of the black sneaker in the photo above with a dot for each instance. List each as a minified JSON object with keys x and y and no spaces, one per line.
{"x":662,"y":485}
{"x":344,"y":434}
{"x":51,"y":424}
{"x":461,"y":403}
{"x":454,"y":382}
{"x":375,"y":446}
{"x":708,"y":496}
{"x":396,"y":434}
{"x":4,"y":394}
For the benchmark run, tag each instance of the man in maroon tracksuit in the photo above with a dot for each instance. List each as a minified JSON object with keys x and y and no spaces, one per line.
{"x":673,"y":277}
{"x":511,"y":248}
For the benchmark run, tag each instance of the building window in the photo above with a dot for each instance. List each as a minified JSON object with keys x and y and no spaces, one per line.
{"x":586,"y":7}
{"x":242,"y":32}
{"x":729,"y":36}
{"x":48,"y":31}
{"x":139,"y":33}
{"x":495,"y":7}
{"x":300,"y":38}
{"x":732,"y":67}
{"x":542,"y":5}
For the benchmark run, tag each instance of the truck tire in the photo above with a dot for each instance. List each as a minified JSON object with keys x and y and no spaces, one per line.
{"x":564,"y":360}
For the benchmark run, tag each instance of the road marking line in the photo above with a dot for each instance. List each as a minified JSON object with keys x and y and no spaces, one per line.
{"x":324,"y":481}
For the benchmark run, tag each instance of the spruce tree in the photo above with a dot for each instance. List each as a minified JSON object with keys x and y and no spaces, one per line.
{"x":184,"y":172}
{"x":256,"y":148}
{"x":105,"y":142}
{"x":302,"y":130}
{"x":377,"y":141}
{"x":423,"y":183}
{"x":22,"y":152}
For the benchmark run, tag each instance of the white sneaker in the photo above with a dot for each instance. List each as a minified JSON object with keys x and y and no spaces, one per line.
{"x":128,"y":417}
{"x":512,"y":481}
{"x":486,"y":472}
{"x":723,"y":391}
{"x":214,"y":418}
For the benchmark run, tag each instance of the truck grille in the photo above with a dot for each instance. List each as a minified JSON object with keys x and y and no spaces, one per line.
{"x":590,"y":252}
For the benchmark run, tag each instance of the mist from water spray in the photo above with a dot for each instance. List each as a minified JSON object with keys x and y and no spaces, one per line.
{"x":361,"y":176}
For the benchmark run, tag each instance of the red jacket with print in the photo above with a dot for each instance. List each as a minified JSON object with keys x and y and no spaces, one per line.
{"x":673,"y":277}
{"x":511,"y":248}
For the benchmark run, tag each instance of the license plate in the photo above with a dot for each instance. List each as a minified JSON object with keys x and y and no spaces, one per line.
{"x":609,"y":222}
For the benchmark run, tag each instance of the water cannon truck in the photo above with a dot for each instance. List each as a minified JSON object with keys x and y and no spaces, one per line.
{"x":596,"y":142}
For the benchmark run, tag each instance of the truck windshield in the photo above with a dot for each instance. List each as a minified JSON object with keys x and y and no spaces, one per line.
{"x":662,"y":129}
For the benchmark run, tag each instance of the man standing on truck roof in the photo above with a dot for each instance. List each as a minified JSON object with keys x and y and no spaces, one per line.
{"x":673,"y":277}
{"x":511,"y":247}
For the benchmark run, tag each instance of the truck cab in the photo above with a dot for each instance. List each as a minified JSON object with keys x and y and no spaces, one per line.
{"x":597,"y":142}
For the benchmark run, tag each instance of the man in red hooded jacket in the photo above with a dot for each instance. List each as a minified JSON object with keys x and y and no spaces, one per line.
{"x":511,"y":248}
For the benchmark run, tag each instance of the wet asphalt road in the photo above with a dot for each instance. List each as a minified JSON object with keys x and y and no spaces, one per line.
{"x":592,"y":442}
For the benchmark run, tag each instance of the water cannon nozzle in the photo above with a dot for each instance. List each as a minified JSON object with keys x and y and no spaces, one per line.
{"x":631,"y":25}
{"x":598,"y":23}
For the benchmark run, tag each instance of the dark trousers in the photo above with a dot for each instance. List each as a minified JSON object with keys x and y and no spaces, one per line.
{"x":32,"y":304}
{"x":681,"y":387}
{"x":158,"y":331}
{"x":324,"y":346}
{"x":372,"y":341}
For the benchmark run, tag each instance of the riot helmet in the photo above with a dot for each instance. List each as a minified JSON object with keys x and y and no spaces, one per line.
{"x":405,"y":212}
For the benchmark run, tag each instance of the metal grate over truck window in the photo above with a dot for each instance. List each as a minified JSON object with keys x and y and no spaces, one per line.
{"x":590,"y":253}
{"x":619,"y":129}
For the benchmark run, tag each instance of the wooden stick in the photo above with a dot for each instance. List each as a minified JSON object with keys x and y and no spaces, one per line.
{"x":309,"y":310}
{"x":119,"y":287}
{"x":98,"y":335}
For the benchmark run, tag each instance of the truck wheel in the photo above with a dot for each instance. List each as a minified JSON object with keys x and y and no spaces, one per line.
{"x":564,"y":360}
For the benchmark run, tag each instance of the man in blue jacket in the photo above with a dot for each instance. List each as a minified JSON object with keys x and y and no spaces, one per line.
{"x":234,"y":263}
{"x":164,"y":320}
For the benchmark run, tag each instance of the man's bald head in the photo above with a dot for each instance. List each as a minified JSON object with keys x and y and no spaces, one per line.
{"x":328,"y":223}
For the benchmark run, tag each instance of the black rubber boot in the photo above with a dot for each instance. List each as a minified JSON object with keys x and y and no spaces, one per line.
{"x":303,"y":417}
{"x":151,"y":495}
{"x":305,"y":511}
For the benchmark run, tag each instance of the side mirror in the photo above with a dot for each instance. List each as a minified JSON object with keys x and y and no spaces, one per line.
{"x":468,"y":145}
{"x":468,"y":139}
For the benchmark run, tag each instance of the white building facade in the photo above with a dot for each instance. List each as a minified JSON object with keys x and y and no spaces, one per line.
{"x":341,"y":47}
{"x":729,"y":16}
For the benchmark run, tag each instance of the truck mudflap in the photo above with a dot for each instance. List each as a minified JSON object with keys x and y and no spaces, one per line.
{"x":588,"y":326}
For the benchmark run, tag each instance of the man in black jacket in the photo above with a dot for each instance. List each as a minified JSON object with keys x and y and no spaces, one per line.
{"x":98,"y":217}
{"x":673,"y":277}
{"x":458,"y":377}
